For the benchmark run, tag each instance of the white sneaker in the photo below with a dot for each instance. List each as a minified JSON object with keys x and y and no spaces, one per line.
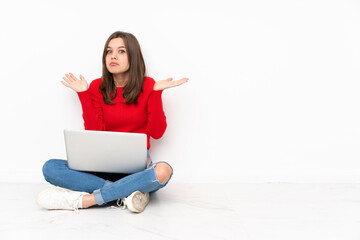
{"x":59,"y":198}
{"x":136,"y":202}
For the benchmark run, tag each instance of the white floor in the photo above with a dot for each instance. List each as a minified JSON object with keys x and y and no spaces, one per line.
{"x":195,"y":211}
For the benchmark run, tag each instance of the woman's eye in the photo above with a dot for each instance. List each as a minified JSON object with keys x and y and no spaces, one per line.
{"x":108,"y":51}
{"x":122,"y":51}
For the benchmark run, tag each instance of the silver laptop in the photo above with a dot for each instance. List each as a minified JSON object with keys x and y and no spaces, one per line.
{"x":103,"y":151}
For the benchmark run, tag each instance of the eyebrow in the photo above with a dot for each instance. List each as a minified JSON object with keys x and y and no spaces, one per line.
{"x":118,"y":47}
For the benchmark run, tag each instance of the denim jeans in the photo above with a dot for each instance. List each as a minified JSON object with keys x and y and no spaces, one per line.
{"x":58,"y":173}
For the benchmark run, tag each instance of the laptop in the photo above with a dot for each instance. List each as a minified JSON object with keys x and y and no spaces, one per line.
{"x":103,"y":151}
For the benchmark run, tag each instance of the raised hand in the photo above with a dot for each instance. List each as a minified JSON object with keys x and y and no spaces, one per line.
{"x":169,"y":83}
{"x":78,"y":85}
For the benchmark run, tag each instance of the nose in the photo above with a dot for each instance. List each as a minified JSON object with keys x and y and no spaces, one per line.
{"x":114,"y":56}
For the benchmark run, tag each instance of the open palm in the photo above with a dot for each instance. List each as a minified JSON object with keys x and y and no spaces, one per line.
{"x":78,"y":85}
{"x":169,"y":83}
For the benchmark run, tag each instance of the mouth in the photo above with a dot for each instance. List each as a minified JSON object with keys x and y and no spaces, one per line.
{"x":113,"y":64}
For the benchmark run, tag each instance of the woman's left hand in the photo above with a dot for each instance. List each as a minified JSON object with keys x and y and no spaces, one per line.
{"x":169,"y":83}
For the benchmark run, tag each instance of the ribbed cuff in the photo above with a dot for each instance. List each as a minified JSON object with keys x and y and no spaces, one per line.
{"x":84,"y":95}
{"x":157,"y":93}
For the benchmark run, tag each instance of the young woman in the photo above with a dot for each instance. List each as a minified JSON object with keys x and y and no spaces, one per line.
{"x":123,"y":100}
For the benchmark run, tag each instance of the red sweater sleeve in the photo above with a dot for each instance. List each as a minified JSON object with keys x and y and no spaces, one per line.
{"x":156,"y":119}
{"x":92,"y":110}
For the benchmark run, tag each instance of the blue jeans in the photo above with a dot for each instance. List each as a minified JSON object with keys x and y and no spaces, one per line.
{"x":58,"y":173}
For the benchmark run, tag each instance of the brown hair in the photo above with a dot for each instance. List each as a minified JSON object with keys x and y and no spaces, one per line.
{"x":137,"y":71}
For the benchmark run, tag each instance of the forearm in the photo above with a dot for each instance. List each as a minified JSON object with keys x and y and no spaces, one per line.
{"x":156,"y":116}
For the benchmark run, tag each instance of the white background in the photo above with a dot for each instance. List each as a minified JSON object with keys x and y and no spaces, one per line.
{"x":273,"y":94}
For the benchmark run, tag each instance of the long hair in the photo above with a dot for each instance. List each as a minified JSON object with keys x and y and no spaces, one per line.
{"x":137,"y":71}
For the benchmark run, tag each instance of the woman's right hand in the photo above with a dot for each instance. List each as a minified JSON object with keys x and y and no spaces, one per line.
{"x":78,"y":85}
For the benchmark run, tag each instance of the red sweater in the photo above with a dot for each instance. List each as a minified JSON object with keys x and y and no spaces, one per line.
{"x":147,"y":116}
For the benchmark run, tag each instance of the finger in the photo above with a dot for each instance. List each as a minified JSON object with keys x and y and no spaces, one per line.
{"x":168,"y":79}
{"x":73,"y":77}
{"x":178,"y":82}
{"x":65,"y":84}
{"x":185,"y":79}
{"x":66,"y":80}
{"x":82,"y":78}
{"x":181,"y":81}
{"x":69,"y":78}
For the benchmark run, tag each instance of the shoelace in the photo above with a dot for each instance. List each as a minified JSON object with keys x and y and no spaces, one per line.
{"x":75,"y":206}
{"x":121,"y":203}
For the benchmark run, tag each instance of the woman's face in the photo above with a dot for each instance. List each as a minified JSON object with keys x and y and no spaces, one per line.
{"x":117,"y":61}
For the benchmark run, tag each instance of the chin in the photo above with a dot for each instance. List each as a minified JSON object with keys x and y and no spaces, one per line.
{"x":112,"y":71}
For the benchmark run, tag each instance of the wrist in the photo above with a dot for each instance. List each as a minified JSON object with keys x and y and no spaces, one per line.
{"x":81,"y":90}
